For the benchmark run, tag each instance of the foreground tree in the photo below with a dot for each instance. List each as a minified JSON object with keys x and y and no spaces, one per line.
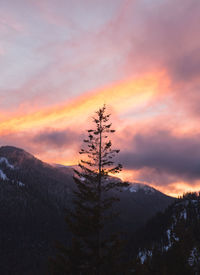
{"x":93,"y":249}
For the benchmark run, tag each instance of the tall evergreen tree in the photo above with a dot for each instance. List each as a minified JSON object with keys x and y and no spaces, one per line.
{"x":93,"y":249}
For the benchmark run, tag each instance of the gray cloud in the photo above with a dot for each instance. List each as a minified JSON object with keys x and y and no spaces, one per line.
{"x":163,"y":154}
{"x":187,"y":66}
{"x":57,"y":138}
{"x":165,"y":35}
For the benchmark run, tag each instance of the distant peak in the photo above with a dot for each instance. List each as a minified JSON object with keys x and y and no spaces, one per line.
{"x":16,"y":155}
{"x":135,"y":187}
{"x":11,"y":149}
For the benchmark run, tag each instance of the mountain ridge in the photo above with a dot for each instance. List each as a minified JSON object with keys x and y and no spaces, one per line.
{"x":169,"y":243}
{"x":33,"y":199}
{"x":18,"y":156}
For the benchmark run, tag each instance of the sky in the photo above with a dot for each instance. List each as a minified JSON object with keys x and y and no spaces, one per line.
{"x":62,"y":60}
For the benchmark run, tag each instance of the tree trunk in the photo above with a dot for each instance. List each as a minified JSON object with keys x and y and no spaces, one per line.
{"x":99,"y":202}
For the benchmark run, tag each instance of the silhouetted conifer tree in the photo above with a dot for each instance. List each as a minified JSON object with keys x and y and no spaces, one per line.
{"x":93,"y":250}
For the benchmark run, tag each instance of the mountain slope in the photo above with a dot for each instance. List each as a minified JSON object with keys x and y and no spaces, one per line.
{"x":33,"y":196}
{"x":170,"y":242}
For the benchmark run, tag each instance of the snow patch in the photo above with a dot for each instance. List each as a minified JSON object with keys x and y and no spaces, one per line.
{"x":183,"y":214}
{"x":175,"y":238}
{"x":194,"y":257}
{"x":171,"y":237}
{"x":142,"y":255}
{"x":168,"y":234}
{"x":20,"y":183}
{"x":166,"y":247}
{"x":3,"y":175}
{"x":133,"y":188}
{"x":2,"y":159}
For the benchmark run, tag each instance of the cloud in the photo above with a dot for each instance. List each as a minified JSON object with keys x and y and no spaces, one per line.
{"x":163,"y":158}
{"x":132,"y":93}
{"x":49,"y":145}
{"x":186,"y":67}
{"x":139,"y":57}
{"x":57,"y":138}
{"x":166,"y":35}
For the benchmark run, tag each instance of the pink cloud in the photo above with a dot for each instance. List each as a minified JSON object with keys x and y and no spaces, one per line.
{"x":159,"y":139}
{"x":9,"y":23}
{"x":2,"y":51}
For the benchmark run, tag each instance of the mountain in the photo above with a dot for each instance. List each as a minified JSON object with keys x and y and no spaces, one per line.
{"x":33,"y":198}
{"x":170,"y":242}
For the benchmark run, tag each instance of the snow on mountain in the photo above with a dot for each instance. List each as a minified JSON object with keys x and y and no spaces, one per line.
{"x":18,"y":157}
{"x":143,"y":255}
{"x":3,"y":175}
{"x":183,"y":214}
{"x":4,"y":160}
{"x":47,"y":192}
{"x":171,"y":237}
{"x":20,"y":183}
{"x":135,"y":187}
{"x":194,"y":258}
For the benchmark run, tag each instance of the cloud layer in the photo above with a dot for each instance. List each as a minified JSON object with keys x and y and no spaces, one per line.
{"x":59,"y":63}
{"x":160,"y":150}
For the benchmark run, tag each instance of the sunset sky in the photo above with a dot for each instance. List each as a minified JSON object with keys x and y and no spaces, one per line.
{"x":62,"y":60}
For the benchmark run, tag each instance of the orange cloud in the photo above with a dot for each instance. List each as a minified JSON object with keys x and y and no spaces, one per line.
{"x":177,"y":189}
{"x":127,"y":94}
{"x":174,"y":189}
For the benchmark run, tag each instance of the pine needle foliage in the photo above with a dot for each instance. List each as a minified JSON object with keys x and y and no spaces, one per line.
{"x":98,"y":251}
